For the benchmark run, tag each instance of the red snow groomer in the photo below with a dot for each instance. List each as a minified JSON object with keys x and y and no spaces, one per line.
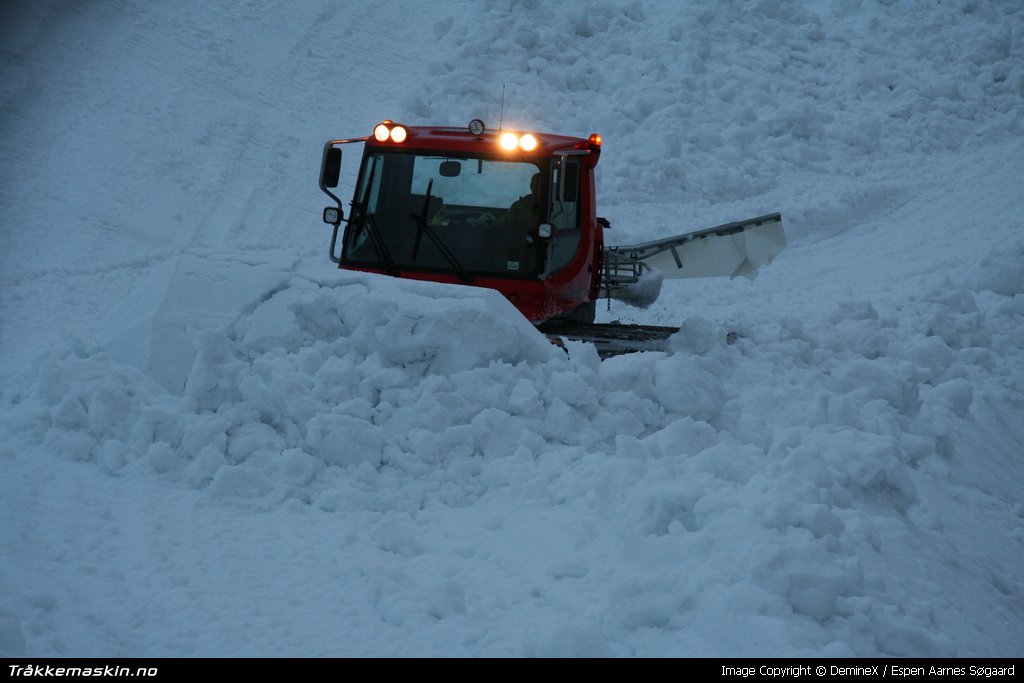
{"x":515,"y":211}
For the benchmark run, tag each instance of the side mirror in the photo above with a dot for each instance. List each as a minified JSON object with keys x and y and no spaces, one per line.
{"x":603,"y":222}
{"x":330,"y":167}
{"x":333,"y":215}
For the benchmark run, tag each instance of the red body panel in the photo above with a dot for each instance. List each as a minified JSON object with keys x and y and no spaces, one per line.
{"x":543,"y":297}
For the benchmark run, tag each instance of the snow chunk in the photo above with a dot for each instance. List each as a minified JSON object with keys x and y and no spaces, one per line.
{"x":696,"y":335}
{"x":233,"y":481}
{"x":644,"y":292}
{"x":153,"y":329}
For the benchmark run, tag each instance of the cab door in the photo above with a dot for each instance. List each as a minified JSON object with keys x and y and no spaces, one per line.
{"x":564,"y":212}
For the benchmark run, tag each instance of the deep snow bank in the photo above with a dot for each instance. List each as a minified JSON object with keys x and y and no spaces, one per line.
{"x":798,"y":477}
{"x":300,"y":363}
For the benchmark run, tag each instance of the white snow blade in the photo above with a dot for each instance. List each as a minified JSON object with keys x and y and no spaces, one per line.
{"x":727,"y":250}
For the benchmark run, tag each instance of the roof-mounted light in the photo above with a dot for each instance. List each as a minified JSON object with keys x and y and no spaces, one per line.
{"x":508,"y":141}
{"x":386,"y":130}
{"x":595,"y":140}
{"x":512,"y":141}
{"x":476,"y":127}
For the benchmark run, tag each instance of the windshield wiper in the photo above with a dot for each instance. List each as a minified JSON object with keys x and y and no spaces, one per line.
{"x":378,"y":241}
{"x":424,"y":227}
{"x":370,"y":225}
{"x":421,"y":220}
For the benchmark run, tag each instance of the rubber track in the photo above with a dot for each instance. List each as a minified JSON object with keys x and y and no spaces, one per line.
{"x":610,"y":339}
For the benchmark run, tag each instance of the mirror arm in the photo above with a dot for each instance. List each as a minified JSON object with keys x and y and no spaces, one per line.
{"x":334,"y":241}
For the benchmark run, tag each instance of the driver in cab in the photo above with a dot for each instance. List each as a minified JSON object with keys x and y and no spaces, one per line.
{"x":524,"y":214}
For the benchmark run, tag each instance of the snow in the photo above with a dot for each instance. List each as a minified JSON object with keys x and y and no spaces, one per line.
{"x":213,"y":443}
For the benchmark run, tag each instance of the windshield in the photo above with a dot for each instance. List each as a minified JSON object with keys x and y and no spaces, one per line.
{"x":484,"y":213}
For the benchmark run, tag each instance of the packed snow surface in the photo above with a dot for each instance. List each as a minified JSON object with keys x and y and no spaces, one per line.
{"x":213,"y":443}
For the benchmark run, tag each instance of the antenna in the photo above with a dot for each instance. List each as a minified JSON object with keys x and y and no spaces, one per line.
{"x":501,"y":116}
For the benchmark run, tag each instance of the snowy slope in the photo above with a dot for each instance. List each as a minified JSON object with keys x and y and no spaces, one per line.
{"x":214,"y":444}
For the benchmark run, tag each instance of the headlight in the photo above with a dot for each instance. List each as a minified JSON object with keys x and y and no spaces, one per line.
{"x":528,"y":143}
{"x":388,"y":130}
{"x":508,"y":141}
